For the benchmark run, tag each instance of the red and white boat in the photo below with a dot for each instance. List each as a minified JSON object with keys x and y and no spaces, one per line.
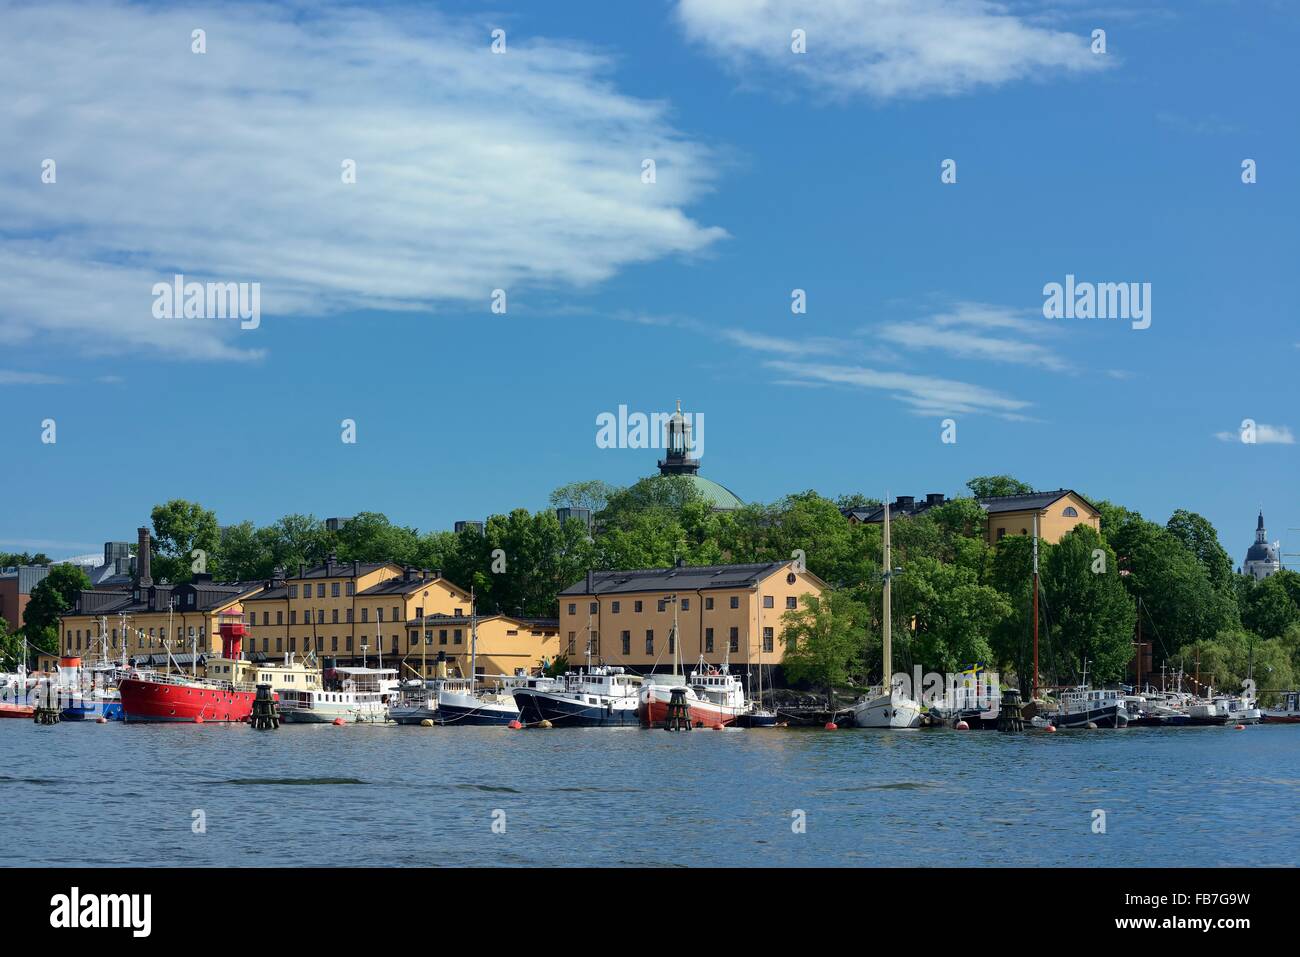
{"x":713,"y":697}
{"x":1288,"y":712}
{"x":226,"y":692}
{"x":8,"y":710}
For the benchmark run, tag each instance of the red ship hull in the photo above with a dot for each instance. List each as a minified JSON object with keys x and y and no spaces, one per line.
{"x":654,"y":713}
{"x":16,"y":711}
{"x":194,"y":702}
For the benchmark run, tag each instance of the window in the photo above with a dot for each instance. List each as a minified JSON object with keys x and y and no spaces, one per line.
{"x":293,"y":643}
{"x":349,"y":614}
{"x":397,"y":613}
{"x":1002,"y":532}
{"x":686,"y":604}
{"x":266,"y":617}
{"x":365,"y":615}
{"x":615,"y":606}
{"x":637,"y":606}
{"x":279,"y":645}
{"x":457,"y":636}
{"x":334,"y":616}
{"x":293,"y":616}
{"x":663,"y":604}
{"x":735,"y":601}
{"x":792,"y":602}
{"x":351,"y":588}
{"x":735,"y":638}
{"x":650,"y":641}
{"x":708,"y":639}
{"x":768,"y":639}
{"x":380,"y":614}
{"x":442,"y":636}
{"x":627,"y":642}
{"x":279,"y":618}
{"x":768,"y":601}
{"x":413,"y":638}
{"x":593,"y":608}
{"x":419,"y":613}
{"x":571,"y":644}
{"x":573,"y":608}
{"x":334,"y":589}
{"x":1069,"y":512}
{"x":334,"y":643}
{"x":459,"y":613}
{"x":708,"y":603}
{"x":293,"y":591}
{"x":320,"y":590}
{"x":320,"y":616}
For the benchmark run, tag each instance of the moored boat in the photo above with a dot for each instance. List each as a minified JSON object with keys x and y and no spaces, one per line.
{"x":603,"y":696}
{"x":1287,"y":712}
{"x":356,"y":695}
{"x":713,"y":697}
{"x":1082,"y":706}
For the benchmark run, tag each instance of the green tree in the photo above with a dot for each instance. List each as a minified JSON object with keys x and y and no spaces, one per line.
{"x":1269,"y":609}
{"x":1011,"y":573}
{"x":593,"y":494}
{"x":953,"y":614}
{"x":1090,"y":612}
{"x":825,"y":639}
{"x":991,"y":486}
{"x":11,"y":647}
{"x":53,"y":596}
{"x":179,"y":529}
{"x":292,"y":541}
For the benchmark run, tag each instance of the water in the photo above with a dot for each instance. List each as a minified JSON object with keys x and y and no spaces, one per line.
{"x":87,"y":794}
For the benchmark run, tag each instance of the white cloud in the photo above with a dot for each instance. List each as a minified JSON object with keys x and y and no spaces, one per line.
{"x":887,"y":48}
{"x":474,"y":171}
{"x":963,"y":333}
{"x":1264,"y":435}
{"x":814,"y":346}
{"x":926,"y":395}
{"x":10,"y":377}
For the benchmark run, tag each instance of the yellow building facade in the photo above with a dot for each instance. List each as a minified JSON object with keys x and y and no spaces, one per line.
{"x":505,"y":645}
{"x":1057,"y":512}
{"x":725,"y":613}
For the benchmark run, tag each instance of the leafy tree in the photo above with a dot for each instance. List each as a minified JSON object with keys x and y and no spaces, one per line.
{"x":11,"y":647}
{"x":954,"y":614}
{"x":1011,"y":573}
{"x":594,"y":495}
{"x":292,"y":541}
{"x":1198,"y":536}
{"x":1269,"y":609}
{"x":1091,"y":613}
{"x":52,"y":598}
{"x":856,"y":500}
{"x":991,"y":486}
{"x":824,"y":640}
{"x":181,"y":527}
{"x":1113,"y":517}
{"x":1234,"y":656}
{"x":241,"y":555}
{"x":11,"y":559}
{"x":371,"y":537}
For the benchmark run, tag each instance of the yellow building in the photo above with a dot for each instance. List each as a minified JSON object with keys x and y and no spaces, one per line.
{"x":151,"y":622}
{"x":505,"y":645}
{"x":347,"y":611}
{"x":725,"y":613}
{"x":1058,"y":512}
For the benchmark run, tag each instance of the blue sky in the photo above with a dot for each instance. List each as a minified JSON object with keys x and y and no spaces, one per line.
{"x":521,"y":171}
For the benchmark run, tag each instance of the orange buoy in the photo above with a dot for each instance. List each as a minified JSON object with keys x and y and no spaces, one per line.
{"x":1050,"y":727}
{"x":339,"y":722}
{"x":515,"y":724}
{"x":717,"y":727}
{"x":198,"y":719}
{"x":1240,"y":727}
{"x":101,"y":720}
{"x":832,"y":726}
{"x":961,"y":726}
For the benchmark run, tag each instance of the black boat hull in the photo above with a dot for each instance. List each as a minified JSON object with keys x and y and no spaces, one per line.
{"x":536,"y":707}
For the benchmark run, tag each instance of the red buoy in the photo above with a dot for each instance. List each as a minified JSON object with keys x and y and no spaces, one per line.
{"x":717,"y":727}
{"x":961,"y":726}
{"x":515,"y":724}
{"x":198,"y":719}
{"x":339,"y":722}
{"x":1050,"y":727}
{"x":1240,"y":727}
{"x":101,"y":720}
{"x":832,"y":726}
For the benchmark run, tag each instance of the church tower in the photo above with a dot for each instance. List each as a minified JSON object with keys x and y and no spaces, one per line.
{"x":1262,"y":560}
{"x":677,"y":442}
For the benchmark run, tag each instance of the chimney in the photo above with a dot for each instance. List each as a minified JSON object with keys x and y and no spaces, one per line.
{"x":356,"y":568}
{"x":142,"y":557}
{"x":406,"y":573}
{"x":934,"y":498}
{"x":590,"y":586}
{"x":302,"y":570}
{"x":277,"y":576}
{"x":904,"y":501}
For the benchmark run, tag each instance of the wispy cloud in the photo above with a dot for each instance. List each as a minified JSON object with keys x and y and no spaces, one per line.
{"x":475,"y":171}
{"x":11,"y":377}
{"x":964,"y":333}
{"x":925,"y":395}
{"x":887,"y":48}
{"x":1264,"y":435}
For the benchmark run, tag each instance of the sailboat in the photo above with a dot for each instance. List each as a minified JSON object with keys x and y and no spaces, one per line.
{"x":887,"y":706}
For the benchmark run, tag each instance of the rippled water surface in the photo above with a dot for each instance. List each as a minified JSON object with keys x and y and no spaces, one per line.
{"x":320,"y":795}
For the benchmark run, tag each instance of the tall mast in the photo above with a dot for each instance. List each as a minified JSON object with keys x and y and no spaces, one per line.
{"x":887,"y":665}
{"x":677,"y":639}
{"x":1035,"y":695}
{"x":473,"y":640}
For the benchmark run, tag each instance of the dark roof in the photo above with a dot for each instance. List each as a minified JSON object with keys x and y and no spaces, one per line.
{"x":1028,"y":501}
{"x":401,"y":584}
{"x":336,"y":569}
{"x":1261,"y":552}
{"x":433,"y":621}
{"x":207,"y":596}
{"x":279,"y":592}
{"x":679,"y":578}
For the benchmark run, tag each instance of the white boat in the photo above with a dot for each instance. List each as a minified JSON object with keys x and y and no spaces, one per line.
{"x":890,"y":709}
{"x":356,"y":695}
{"x":1081,"y":706}
{"x":601,"y":696}
{"x":1224,"y":709}
{"x":713,"y":696}
{"x":1288,"y":712}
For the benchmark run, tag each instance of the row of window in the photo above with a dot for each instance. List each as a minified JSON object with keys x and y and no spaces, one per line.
{"x":351,"y":589}
{"x":638,"y":606}
{"x":733,"y":641}
{"x":319,"y":616}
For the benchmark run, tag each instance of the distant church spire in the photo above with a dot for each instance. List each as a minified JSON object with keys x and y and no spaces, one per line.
{"x":1262,"y":559}
{"x":677,"y":443}
{"x":1261,"y":536}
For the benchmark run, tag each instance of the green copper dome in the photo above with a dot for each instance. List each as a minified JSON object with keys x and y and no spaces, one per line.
{"x":715,"y":494}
